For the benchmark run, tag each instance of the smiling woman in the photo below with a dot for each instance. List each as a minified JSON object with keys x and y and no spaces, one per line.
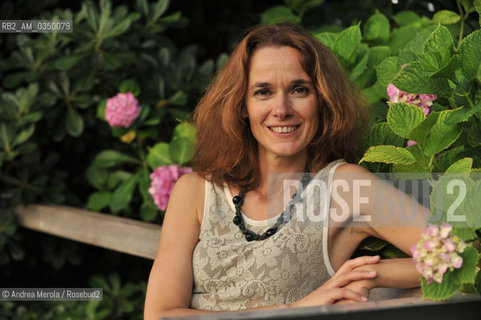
{"x":281,"y":105}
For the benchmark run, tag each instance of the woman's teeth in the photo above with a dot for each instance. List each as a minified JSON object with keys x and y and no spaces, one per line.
{"x":283,"y":129}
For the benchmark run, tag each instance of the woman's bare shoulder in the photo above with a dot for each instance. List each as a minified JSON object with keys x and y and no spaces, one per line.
{"x":189,"y":192}
{"x":190,"y":181}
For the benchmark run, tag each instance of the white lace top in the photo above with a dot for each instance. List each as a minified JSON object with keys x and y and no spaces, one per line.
{"x":231,"y":273}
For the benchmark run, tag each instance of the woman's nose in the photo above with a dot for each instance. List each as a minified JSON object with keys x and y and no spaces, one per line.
{"x":282,"y":107}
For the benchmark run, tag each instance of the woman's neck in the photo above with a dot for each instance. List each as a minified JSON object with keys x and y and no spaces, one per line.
{"x":275,"y":167}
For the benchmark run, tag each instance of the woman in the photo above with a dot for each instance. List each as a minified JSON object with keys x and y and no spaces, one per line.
{"x":282,"y":104}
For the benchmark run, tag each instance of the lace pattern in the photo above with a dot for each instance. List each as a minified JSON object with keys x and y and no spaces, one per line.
{"x":232,"y":274}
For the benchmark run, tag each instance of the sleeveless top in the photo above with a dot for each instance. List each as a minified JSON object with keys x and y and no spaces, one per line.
{"x":231,"y":273}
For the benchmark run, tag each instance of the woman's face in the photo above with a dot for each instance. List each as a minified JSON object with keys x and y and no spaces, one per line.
{"x":281,"y":102}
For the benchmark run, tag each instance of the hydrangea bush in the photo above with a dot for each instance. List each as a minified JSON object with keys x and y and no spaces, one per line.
{"x":437,"y":252}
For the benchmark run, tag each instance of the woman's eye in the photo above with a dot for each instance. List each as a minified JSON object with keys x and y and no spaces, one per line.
{"x":261,"y":92}
{"x":301,"y":90}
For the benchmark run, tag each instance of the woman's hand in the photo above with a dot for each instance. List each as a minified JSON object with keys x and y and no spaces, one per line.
{"x":336,"y":288}
{"x":363,"y":286}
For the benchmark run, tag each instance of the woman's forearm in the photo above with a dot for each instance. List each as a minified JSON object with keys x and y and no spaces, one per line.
{"x":396,"y":273}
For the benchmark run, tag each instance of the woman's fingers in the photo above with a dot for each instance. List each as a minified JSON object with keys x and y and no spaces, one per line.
{"x":344,"y":293}
{"x":349,"y":277}
{"x":352,"y":264}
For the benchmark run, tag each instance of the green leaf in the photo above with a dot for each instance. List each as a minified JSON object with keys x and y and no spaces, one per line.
{"x":74,"y":122}
{"x":440,"y":135}
{"x":159,"y":155}
{"x":99,"y":200}
{"x":122,"y":26}
{"x":400,"y":38}
{"x":411,"y":79}
{"x":372,"y":244}
{"x":414,"y":170}
{"x":472,"y":206}
{"x":105,"y":9}
{"x":448,"y":199}
{"x":403,"y":117}
{"x":446,"y":17}
{"x":23,"y":135}
{"x":468,"y":5}
{"x":97,"y":176}
{"x":181,"y":150}
{"x":130,"y":85}
{"x":148,"y":212}
{"x":405,"y":18}
{"x":478,"y":280}
{"x":101,"y":109}
{"x":347,"y":42}
{"x":386,"y":70}
{"x":116,"y":177}
{"x":382,"y":134}
{"x":110,"y":158}
{"x":185,"y":130}
{"x":388,"y":154}
{"x":360,"y":67}
{"x":453,"y":280}
{"x":461,"y":166}
{"x":86,"y":82}
{"x":391,"y":252}
{"x":66,"y":62}
{"x":377,"y":27}
{"x":123,"y":194}
{"x":441,"y":43}
{"x":179,"y":98}
{"x":470,"y":51}
{"x":467,"y":273}
{"x":377,"y":55}
{"x":277,"y":14}
{"x":327,"y":38}
{"x":464,"y":233}
{"x":159,"y":9}
{"x":448,"y":157}
{"x":448,"y":69}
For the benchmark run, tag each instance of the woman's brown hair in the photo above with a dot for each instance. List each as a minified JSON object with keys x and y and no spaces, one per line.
{"x":226,"y":150}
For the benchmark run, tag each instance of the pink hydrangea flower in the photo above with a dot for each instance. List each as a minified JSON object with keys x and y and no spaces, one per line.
{"x":424,"y":101}
{"x":121,"y":110}
{"x":162,"y":181}
{"x":437,"y":251}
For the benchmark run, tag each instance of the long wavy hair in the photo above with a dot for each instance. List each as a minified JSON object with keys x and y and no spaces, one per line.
{"x":226,"y":150}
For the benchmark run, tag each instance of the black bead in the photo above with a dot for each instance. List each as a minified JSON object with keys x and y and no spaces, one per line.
{"x":237,"y":199}
{"x":249,"y":236}
{"x":237,"y":220}
{"x":271,"y":231}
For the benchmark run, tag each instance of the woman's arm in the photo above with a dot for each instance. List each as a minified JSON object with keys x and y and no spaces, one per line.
{"x":170,"y":283}
{"x":398,"y":220}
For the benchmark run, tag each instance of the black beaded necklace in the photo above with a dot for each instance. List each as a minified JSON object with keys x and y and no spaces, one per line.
{"x":283,"y":218}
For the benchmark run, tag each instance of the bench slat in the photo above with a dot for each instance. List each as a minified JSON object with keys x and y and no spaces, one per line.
{"x":111,"y":232}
